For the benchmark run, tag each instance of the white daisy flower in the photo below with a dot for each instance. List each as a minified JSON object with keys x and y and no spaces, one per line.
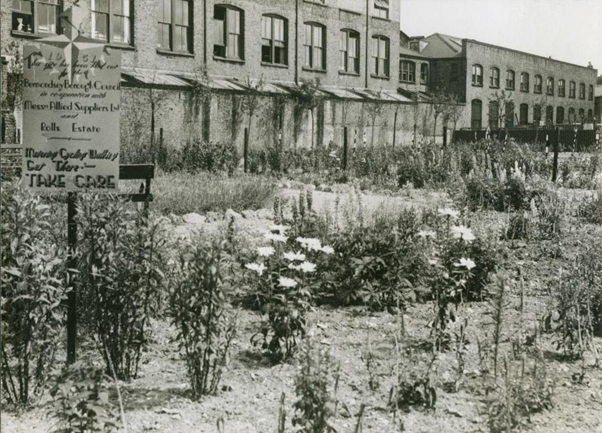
{"x":307,"y":267}
{"x":265,"y":251}
{"x":464,"y":233}
{"x":427,"y":234}
{"x":257,"y":267}
{"x":287,"y":282}
{"x":294,"y":256}
{"x":327,"y":249}
{"x":466,"y":263}
{"x":275,"y":237}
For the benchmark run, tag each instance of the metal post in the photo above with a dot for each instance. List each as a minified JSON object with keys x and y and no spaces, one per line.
{"x":72,"y":295}
{"x":555,"y":163}
{"x":345,"y":148}
{"x":246,"y":150}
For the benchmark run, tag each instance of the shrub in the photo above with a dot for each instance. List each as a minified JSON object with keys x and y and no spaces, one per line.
{"x":34,"y":286}
{"x":185,"y":193}
{"x":313,"y":407}
{"x":81,"y":400}
{"x":212,"y":157}
{"x":199,"y":307}
{"x":121,"y":262}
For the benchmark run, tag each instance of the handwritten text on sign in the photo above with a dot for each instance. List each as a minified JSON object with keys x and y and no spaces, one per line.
{"x":71,"y":91}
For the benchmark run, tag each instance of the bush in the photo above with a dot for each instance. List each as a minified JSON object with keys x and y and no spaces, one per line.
{"x":212,"y":157}
{"x":121,"y":275}
{"x":199,"y":307}
{"x":34,"y":287}
{"x":81,"y":400}
{"x":185,"y":193}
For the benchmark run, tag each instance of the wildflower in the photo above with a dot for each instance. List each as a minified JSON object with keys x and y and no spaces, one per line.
{"x":464,"y":233}
{"x":466,"y":263}
{"x":327,"y":249}
{"x":265,"y":251}
{"x":307,"y":267}
{"x":257,"y":267}
{"x":294,"y":256}
{"x":287,"y":282}
{"x":427,"y":234}
{"x":278,"y":228}
{"x":449,"y":213}
{"x":294,"y":267}
{"x":275,"y":237}
{"x":433,"y":262}
{"x":310,"y":243}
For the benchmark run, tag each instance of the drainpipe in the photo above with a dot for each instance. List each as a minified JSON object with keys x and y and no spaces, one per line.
{"x":367,"y":38}
{"x":297,"y":42}
{"x":205,"y":34}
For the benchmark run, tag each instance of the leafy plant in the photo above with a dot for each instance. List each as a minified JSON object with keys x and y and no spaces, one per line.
{"x":210,"y":156}
{"x":200,"y":310}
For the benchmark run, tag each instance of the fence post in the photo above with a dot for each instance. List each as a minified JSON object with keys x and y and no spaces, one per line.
{"x":246,"y":150}
{"x":345,"y":148}
{"x":444,"y":136}
{"x":555,"y":163}
{"x":547,"y":145}
{"x":72,"y":295}
{"x":394,"y":128}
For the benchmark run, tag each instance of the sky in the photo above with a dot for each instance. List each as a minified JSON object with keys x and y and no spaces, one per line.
{"x":568,"y":30}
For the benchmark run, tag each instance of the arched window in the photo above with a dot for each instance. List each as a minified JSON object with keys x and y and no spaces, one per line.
{"x":350,"y":52}
{"x":476,"y":114}
{"x":407,"y":71}
{"x":510,"y":75}
{"x":538,"y":84}
{"x":549,"y":115}
{"x":537,"y":113}
{"x":581,"y":90}
{"x":561,"y":88}
{"x":494,"y":78}
{"x":380,"y":56}
{"x":559,"y":115}
{"x":572,"y":118}
{"x":274,"y":40}
{"x":477,"y":75}
{"x":524,"y":114}
{"x":509,"y":114}
{"x":591,"y":93}
{"x":581,"y":117}
{"x":494,"y":114}
{"x":572,"y":88}
{"x":424,"y":73}
{"x":550,"y":86}
{"x":524,"y":82}
{"x":315,"y":46}
{"x":590,"y":115}
{"x":229,"y":30}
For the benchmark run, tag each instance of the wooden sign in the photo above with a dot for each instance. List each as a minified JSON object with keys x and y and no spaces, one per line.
{"x":71,"y":95}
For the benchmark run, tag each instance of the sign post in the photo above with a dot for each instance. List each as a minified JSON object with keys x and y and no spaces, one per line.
{"x":71,"y":96}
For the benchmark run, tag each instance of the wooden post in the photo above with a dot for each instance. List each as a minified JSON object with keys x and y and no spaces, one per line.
{"x":246,"y":150}
{"x":555,"y":163}
{"x":72,"y":295}
{"x":345,"y":148}
{"x":415,"y":138}
{"x":394,"y":128}
{"x":444,"y":136}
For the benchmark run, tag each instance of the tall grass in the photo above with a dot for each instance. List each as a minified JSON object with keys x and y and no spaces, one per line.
{"x":181,"y":193}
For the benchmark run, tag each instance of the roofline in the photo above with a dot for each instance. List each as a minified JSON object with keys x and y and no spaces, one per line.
{"x":530,"y":54}
{"x":447,"y":43}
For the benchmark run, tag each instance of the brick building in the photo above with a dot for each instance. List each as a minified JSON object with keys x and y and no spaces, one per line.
{"x":506,"y":87}
{"x":348,"y":49}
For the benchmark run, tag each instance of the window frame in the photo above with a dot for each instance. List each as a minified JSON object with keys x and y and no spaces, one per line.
{"x":538,"y":88}
{"x":559,"y":110}
{"x":240,"y":56}
{"x":477,"y":71}
{"x":424,"y":76}
{"x":272,"y":17}
{"x":345,"y":58}
{"x":376,"y":58}
{"x":110,"y":15}
{"x":582,"y":91}
{"x":562,"y":88}
{"x":35,"y":5}
{"x":473,"y":118}
{"x":508,"y":80}
{"x":590,"y":96}
{"x":550,"y":86}
{"x":523,"y":114}
{"x":312,"y":47}
{"x":410,"y":71}
{"x":379,"y":9}
{"x":172,"y":30}
{"x":572,"y":89}
{"x":493,"y":79}
{"x":524,"y":83}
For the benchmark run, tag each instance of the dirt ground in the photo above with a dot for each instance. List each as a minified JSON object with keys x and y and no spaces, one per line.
{"x":251,"y":388}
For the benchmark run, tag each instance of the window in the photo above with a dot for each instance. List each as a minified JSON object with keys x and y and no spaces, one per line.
{"x":407,"y":71}
{"x":380,"y":56}
{"x":524,"y":82}
{"x":477,"y":75}
{"x":537,"y":114}
{"x":228,"y":27}
{"x":510,"y":79}
{"x":476,"y":114}
{"x":315,"y":44}
{"x":590,"y":116}
{"x":274,"y":38}
{"x":538,"y":84}
{"x":549,"y":116}
{"x":509,"y":114}
{"x":572,"y":88}
{"x":350,"y":52}
{"x":581,"y":90}
{"x":550,"y":86}
{"x":381,"y":9}
{"x":561,"y":87}
{"x":111,"y":21}
{"x":36,"y":16}
{"x":559,"y":115}
{"x":571,"y":115}
{"x":591,"y":93}
{"x":424,"y":73}
{"x":494,"y":114}
{"x":494,"y":78}
{"x":581,"y":117}
{"x":415,"y":46}
{"x":524,"y":114}
{"x":175,"y":26}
